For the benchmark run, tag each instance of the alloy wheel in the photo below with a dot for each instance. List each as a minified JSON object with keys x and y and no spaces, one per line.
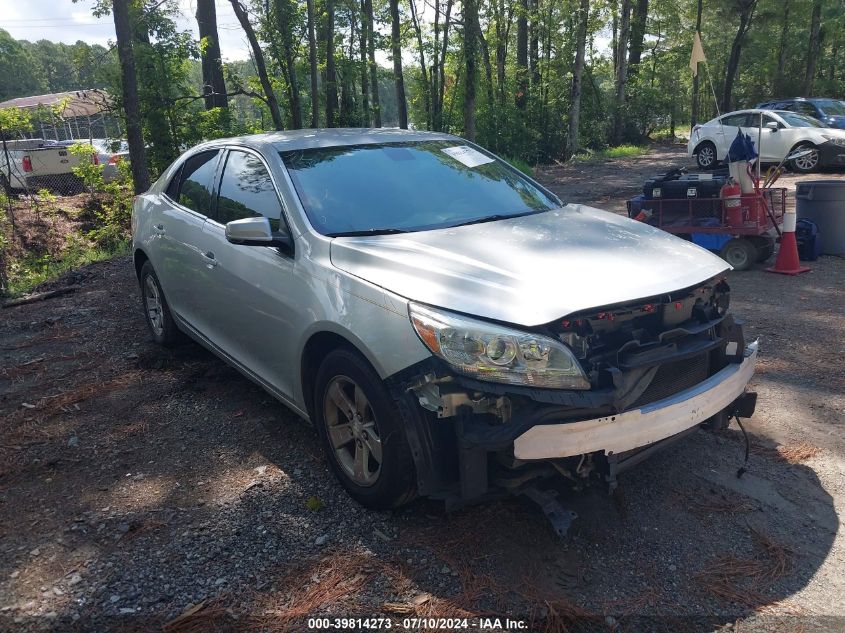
{"x":153,"y":304}
{"x":353,"y":430}
{"x":706,"y":156}
{"x":808,"y":162}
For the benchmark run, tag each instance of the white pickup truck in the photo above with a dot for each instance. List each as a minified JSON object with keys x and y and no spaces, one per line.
{"x":33,"y":164}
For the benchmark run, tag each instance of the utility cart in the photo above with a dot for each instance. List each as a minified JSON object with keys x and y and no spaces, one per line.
{"x":741,"y":228}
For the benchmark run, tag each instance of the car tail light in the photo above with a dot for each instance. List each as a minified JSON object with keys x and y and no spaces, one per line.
{"x":95,"y":159}
{"x":114,"y":160}
{"x":27,"y":163}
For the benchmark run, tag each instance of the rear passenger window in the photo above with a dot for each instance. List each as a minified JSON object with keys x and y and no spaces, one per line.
{"x":735,"y":120}
{"x":247,"y":191}
{"x":195,"y":182}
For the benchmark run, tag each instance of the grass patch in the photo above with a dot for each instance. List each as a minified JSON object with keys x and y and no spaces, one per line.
{"x":620,"y":151}
{"x":32,"y":270}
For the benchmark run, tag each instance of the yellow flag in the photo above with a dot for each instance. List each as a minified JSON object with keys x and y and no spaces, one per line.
{"x":697,"y":54}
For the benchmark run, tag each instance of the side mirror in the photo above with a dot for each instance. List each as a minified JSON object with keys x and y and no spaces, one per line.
{"x":255,"y":232}
{"x":773,"y":126}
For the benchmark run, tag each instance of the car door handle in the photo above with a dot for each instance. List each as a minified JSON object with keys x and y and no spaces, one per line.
{"x":159,"y":229}
{"x":211,"y":262}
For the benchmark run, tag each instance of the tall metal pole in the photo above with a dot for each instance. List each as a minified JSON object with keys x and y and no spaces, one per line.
{"x":759,"y":146}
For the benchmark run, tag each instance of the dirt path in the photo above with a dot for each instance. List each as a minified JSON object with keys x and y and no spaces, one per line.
{"x":135,"y":483}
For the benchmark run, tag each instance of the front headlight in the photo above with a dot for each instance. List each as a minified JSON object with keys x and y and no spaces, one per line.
{"x":496,"y":353}
{"x":836,"y":140}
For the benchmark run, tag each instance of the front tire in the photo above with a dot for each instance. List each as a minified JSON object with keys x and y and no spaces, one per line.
{"x":156,"y":310}
{"x":705,"y":155}
{"x":806,"y":164}
{"x":362,"y":432}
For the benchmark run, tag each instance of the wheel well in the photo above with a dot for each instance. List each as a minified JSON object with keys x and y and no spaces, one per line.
{"x":705,"y":142}
{"x":801,"y":144}
{"x":140,"y":259}
{"x":316,"y":349}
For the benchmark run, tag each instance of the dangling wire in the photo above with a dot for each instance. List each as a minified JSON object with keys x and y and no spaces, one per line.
{"x":742,"y":470}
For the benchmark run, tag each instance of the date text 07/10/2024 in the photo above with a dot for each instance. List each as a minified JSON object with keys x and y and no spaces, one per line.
{"x":416,"y":623}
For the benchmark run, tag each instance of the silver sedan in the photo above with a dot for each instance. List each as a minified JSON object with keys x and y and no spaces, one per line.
{"x":451,"y":328}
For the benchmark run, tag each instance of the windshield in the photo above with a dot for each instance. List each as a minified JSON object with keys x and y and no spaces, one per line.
{"x":409,"y":186}
{"x":799,"y":120}
{"x":831,"y":107}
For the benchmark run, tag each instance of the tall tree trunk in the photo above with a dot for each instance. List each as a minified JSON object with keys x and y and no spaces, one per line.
{"x":131,"y":107}
{"x":780,"y":79}
{"x":398,"y":77}
{"x":746,"y":13}
{"x":522,"y":55}
{"x":638,"y":30}
{"x":312,"y":61}
{"x":621,"y":72}
{"x":371,"y":52}
{"x":284,"y":16}
{"x":260,"y":66}
{"x":441,"y":89}
{"x":365,"y":84}
{"x":574,"y":143}
{"x":534,"y":45}
{"x":331,"y":72}
{"x":695,"y":80}
{"x":213,"y":83}
{"x":471,"y":66}
{"x":614,"y":34}
{"x":813,"y":49}
{"x":504,"y":20}
{"x":423,"y":70}
{"x":488,"y":66}
{"x":347,"y":79}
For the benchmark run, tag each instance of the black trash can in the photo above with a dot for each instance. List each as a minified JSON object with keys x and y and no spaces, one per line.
{"x":823,"y":202}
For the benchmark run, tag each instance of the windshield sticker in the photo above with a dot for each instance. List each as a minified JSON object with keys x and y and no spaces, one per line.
{"x":467,"y":155}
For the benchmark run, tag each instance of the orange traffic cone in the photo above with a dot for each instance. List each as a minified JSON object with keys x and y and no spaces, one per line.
{"x":787,"y":261}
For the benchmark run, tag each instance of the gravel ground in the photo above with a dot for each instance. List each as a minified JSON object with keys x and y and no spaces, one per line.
{"x":145,"y":490}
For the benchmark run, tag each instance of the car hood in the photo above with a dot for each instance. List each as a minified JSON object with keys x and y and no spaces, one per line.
{"x":529,"y":270}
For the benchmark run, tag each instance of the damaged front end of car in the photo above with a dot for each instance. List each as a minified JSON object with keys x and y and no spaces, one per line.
{"x":586,"y":396}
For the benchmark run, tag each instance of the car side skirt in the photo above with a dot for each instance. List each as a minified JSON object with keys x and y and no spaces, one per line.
{"x":197,"y":336}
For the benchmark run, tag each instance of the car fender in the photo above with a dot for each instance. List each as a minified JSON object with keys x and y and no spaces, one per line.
{"x":388,"y":328}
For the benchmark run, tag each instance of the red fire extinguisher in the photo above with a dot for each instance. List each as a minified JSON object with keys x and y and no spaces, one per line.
{"x":731,"y":195}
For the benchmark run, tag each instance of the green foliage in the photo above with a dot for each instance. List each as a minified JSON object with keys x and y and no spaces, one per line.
{"x":34,"y":269}
{"x":620,"y":151}
{"x":20,"y":75}
{"x":14,"y":121}
{"x":314,"y":504}
{"x":623,"y":151}
{"x":89,"y":171}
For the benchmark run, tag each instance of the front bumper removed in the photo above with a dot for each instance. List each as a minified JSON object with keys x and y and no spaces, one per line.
{"x":640,"y":427}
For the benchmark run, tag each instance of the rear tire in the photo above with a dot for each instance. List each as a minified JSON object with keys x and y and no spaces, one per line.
{"x":362,"y":432}
{"x":705,"y":155}
{"x":739,"y":253}
{"x":765,"y":248}
{"x":156,"y":309}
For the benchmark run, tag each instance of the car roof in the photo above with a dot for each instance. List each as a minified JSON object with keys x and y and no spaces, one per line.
{"x":328,"y":137}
